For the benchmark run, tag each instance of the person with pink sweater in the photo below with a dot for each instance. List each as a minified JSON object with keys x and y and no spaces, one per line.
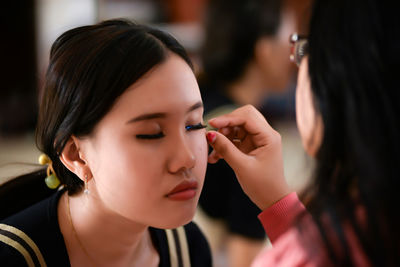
{"x":347,"y":114}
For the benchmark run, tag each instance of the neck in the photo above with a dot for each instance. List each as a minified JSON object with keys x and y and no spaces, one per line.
{"x":249,"y":88}
{"x":99,"y":237}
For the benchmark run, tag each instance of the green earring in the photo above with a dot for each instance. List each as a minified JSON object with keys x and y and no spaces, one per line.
{"x":52,"y":181}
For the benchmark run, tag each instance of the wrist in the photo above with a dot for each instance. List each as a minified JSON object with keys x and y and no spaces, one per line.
{"x":274,"y":198}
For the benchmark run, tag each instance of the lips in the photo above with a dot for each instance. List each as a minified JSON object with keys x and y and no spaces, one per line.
{"x":183,"y":191}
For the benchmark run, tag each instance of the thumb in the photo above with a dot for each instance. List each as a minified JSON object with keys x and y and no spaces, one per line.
{"x":225,"y":149}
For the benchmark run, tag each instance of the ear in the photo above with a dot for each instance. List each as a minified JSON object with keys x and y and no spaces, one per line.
{"x":73,"y":159}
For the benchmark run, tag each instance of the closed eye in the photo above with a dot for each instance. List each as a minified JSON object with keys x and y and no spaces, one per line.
{"x":159,"y":135}
{"x":194,"y":127}
{"x":150,"y":136}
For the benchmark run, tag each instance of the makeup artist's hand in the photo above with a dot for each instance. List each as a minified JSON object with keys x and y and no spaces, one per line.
{"x":253,"y":149}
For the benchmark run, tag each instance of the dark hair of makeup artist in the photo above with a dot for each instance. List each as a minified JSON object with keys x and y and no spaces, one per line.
{"x":90,"y":67}
{"x":353,"y":61}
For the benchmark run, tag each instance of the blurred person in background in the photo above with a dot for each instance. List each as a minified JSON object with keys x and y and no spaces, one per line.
{"x":244,"y":57}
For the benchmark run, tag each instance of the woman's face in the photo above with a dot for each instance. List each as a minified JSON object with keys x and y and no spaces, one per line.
{"x":148,"y":155}
{"x":309,"y":122}
{"x":277,"y":69}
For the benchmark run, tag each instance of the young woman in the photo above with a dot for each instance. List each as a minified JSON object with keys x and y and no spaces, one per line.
{"x":348,"y":117}
{"x":121,"y":125}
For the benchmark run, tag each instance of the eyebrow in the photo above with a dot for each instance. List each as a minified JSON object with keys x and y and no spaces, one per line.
{"x":158,"y":115}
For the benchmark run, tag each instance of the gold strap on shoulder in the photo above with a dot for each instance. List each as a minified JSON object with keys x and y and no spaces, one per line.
{"x":184,"y":246}
{"x":178,"y":247}
{"x":172,"y":248}
{"x":18,"y":247}
{"x":23,"y":244}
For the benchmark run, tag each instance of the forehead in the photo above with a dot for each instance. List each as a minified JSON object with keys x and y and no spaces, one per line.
{"x":169,"y":86}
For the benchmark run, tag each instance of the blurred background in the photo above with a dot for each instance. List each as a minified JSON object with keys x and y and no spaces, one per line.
{"x":29,"y":27}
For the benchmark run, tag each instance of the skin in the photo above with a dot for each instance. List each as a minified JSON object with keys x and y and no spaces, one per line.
{"x":309,"y":122}
{"x":130,"y":175}
{"x":274,"y":52}
{"x":256,"y":160}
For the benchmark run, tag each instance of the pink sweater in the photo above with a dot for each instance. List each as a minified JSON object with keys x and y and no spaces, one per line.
{"x":290,"y":247}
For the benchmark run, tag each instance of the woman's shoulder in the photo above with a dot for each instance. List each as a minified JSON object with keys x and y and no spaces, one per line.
{"x":17,"y":248}
{"x":33,"y":234}
{"x":11,"y":256}
{"x":34,"y":217}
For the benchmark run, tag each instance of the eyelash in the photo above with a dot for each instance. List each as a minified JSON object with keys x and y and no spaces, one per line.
{"x":195,"y":127}
{"x":198,"y":126}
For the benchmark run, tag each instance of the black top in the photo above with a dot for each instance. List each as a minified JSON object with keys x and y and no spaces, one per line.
{"x":40,"y":224}
{"x":222,"y":196}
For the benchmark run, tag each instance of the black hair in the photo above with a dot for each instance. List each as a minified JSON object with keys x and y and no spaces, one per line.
{"x":90,"y":67}
{"x":232,"y":29}
{"x":353,"y":54}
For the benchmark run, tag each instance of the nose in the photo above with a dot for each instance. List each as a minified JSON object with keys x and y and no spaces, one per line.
{"x":182,"y":157}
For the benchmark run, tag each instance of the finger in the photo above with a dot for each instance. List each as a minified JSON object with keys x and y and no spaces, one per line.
{"x":213,"y":157}
{"x":225,"y":149}
{"x":225,"y":131}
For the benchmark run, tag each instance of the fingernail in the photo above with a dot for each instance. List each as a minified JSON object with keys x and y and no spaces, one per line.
{"x":211,"y":136}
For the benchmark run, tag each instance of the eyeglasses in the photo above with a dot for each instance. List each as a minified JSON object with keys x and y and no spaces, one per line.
{"x":299,"y":48}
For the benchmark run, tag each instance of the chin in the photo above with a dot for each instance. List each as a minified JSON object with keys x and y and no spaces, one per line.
{"x":175,"y":220}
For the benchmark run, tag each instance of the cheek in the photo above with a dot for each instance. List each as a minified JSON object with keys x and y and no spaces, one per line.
{"x":305,"y":116}
{"x":281,"y":70}
{"x":201,"y":151}
{"x":122,"y":166}
{"x":300,"y":116}
{"x":126,"y":181}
